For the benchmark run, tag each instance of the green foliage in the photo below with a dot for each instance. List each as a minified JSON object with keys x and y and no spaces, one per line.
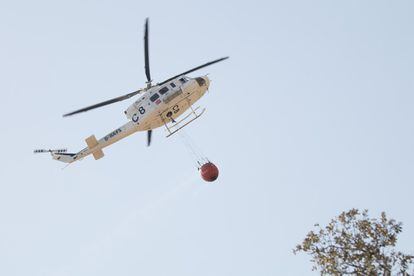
{"x":354,"y":244}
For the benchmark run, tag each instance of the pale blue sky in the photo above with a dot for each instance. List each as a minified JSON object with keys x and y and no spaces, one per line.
{"x":311,"y":115}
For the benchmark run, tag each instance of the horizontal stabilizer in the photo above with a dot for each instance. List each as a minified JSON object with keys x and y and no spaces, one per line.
{"x":98,"y":154}
{"x":92,"y":143}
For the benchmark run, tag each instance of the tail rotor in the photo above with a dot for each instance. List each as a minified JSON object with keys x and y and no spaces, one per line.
{"x":50,"y":150}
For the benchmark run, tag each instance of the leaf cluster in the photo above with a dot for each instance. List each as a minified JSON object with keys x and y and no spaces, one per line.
{"x":355,"y":244}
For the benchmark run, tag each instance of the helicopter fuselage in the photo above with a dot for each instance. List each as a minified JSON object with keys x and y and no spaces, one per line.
{"x":162,"y":104}
{"x":158,"y":106}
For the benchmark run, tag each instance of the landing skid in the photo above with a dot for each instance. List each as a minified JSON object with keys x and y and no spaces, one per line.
{"x":177,"y":125}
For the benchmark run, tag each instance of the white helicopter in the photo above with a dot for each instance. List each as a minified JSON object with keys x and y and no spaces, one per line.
{"x":160,"y":104}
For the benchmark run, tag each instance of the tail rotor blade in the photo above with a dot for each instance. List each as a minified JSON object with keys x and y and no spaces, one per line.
{"x":50,"y":150}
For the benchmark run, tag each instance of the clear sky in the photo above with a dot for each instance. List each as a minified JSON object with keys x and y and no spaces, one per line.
{"x":311,"y":115}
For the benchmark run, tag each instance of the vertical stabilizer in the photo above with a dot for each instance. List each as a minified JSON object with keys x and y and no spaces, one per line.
{"x":59,"y":154}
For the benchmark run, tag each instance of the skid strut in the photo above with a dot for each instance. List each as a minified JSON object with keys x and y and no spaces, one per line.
{"x":177,"y":125}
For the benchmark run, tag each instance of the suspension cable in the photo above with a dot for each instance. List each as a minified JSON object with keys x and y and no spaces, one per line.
{"x":195,"y":152}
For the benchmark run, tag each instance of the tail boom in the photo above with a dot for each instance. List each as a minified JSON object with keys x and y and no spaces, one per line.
{"x":95,"y":146}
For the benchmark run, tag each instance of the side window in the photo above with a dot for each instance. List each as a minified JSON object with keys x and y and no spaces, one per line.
{"x":163,"y":90}
{"x":172,"y":84}
{"x":183,"y":80}
{"x":154,"y":97}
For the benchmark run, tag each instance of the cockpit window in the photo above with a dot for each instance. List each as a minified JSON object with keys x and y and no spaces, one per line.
{"x":200,"y":81}
{"x":163,"y":90}
{"x":154,"y":97}
{"x":183,"y":80}
{"x":172,"y":84}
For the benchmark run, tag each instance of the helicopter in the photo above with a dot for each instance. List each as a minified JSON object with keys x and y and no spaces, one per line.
{"x":159,"y":105}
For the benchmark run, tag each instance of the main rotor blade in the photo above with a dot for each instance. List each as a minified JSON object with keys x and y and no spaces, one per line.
{"x":146,"y":52}
{"x":149,"y":134}
{"x":111,"y":101}
{"x":194,"y":69}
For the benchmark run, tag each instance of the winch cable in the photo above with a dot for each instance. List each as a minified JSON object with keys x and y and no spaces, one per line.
{"x":195,"y":152}
{"x":190,"y":150}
